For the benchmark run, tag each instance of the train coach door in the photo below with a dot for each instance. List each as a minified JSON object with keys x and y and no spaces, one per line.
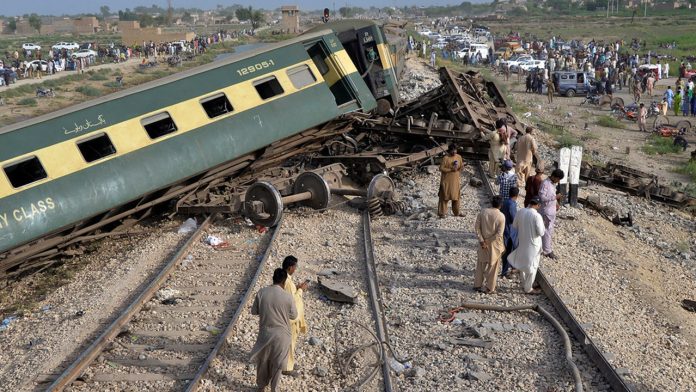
{"x":332,"y":74}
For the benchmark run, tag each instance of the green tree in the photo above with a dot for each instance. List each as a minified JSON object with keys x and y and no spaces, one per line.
{"x":105,"y":11}
{"x":146,"y":20}
{"x":255,"y":17}
{"x":346,"y":12}
{"x":187,"y":18}
{"x":35,"y":22}
{"x":12,"y":25}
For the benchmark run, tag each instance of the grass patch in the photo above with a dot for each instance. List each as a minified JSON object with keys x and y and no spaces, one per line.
{"x":27,"y":102}
{"x":89,"y":91}
{"x":689,"y":168}
{"x":610,"y":122}
{"x":98,"y":76}
{"x":661,"y":145}
{"x":568,"y":140}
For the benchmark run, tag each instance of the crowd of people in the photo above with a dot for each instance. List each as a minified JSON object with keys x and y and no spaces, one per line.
{"x":510,"y":239}
{"x":28,"y":64}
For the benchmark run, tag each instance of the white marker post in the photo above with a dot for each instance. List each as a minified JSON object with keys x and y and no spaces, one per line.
{"x":564,"y":164}
{"x":574,"y":174}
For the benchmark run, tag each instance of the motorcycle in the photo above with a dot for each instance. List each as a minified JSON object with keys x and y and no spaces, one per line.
{"x":45,"y":92}
{"x":591,"y":98}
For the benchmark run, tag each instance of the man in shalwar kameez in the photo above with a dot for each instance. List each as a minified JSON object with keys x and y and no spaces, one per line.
{"x":525,"y":258}
{"x":451,"y":168}
{"x":489,"y":227}
{"x":276,"y":308}
{"x":549,"y":205}
{"x":299,"y":325}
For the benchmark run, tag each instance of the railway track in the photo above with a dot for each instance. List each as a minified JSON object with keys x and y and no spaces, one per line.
{"x":571,"y":323}
{"x":169,"y":335}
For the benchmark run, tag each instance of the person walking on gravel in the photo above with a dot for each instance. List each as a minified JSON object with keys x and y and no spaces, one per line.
{"x":526,"y":150}
{"x":489,"y":227}
{"x":642,"y":117}
{"x":533,"y":184}
{"x":276,"y":308}
{"x":299,"y":325}
{"x":450,"y":178}
{"x":506,"y":179}
{"x":509,"y":210}
{"x":549,"y":205}
{"x":650,"y":84}
{"x":530,"y":229}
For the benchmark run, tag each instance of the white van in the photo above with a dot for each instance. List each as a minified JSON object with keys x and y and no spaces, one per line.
{"x":478,"y":50}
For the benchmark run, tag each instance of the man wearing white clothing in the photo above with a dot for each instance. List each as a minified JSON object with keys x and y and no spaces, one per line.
{"x":525,"y":258}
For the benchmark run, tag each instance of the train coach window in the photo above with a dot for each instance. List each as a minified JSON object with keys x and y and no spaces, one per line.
{"x":317,"y":55}
{"x":25,"y":172}
{"x":216,"y":105}
{"x":159,"y":125}
{"x":301,"y":76}
{"x":96,"y":148}
{"x":268,"y":87}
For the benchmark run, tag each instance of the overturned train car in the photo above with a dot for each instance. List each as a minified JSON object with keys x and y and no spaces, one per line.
{"x":86,"y":164}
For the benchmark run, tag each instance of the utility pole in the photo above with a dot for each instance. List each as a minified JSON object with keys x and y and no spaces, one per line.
{"x":169,"y":12}
{"x":645,"y":9}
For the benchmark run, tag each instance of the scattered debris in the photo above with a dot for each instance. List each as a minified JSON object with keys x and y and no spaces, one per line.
{"x":594,"y":202}
{"x":689,"y":305}
{"x":189,"y":226}
{"x":339,"y":292}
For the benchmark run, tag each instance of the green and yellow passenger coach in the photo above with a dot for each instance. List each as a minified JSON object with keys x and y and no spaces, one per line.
{"x":375,"y":59}
{"x":65,"y":167}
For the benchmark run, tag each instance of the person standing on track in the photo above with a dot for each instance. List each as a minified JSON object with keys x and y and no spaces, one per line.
{"x":526,"y":150}
{"x":275,"y":308}
{"x":450,"y":169}
{"x":507,"y":179}
{"x":299,"y":325}
{"x":533,"y":184}
{"x":549,"y":205}
{"x":489,"y":227}
{"x":509,"y":210}
{"x":530,"y":229}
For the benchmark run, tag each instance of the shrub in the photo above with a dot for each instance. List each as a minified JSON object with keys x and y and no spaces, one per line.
{"x":27,"y":102}
{"x":98,"y":76}
{"x":88,"y":91}
{"x":610,"y":122}
{"x":660,"y":145}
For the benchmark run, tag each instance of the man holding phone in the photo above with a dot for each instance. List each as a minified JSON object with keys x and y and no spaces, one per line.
{"x":450,"y":168}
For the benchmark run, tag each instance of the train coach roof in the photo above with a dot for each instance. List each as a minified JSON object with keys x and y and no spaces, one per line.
{"x":165,"y":80}
{"x":344,"y":25}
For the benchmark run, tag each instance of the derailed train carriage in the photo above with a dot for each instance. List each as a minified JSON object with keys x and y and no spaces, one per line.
{"x":70,"y":172}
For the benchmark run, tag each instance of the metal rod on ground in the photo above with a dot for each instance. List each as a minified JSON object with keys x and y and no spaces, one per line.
{"x":375,"y":298}
{"x":539,"y":309}
{"x":83,"y":361}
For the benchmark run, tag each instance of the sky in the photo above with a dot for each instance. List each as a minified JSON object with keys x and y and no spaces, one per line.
{"x":53,"y":7}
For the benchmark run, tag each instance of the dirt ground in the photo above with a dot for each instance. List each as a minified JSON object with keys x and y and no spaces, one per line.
{"x":604,"y":143}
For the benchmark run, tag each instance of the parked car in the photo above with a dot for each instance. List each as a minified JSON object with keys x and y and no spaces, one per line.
{"x":478,"y":50}
{"x":66,"y":45}
{"x":531,"y":64}
{"x":572,"y":83}
{"x":515,"y":60}
{"x":35,"y":65}
{"x":31,"y":47}
{"x":84,"y":53}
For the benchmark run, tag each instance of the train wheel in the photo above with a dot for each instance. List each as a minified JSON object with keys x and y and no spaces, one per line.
{"x":383,"y":107}
{"x":604,"y":101}
{"x":617,"y":102}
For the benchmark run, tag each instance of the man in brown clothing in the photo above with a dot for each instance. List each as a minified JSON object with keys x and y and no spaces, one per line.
{"x":276,"y":309}
{"x":550,"y":89}
{"x":490,"y":225}
{"x":526,"y":150}
{"x":533,"y":185}
{"x":450,"y":168}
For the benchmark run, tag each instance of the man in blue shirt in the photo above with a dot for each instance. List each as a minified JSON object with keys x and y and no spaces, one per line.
{"x":509,"y":210}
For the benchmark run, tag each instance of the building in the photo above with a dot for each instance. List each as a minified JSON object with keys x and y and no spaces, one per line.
{"x":86,"y":25}
{"x":133,"y":34}
{"x":290,"y":18}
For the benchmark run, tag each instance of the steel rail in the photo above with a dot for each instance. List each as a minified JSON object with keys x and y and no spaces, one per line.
{"x":93,"y":351}
{"x":616,"y":382}
{"x":376,"y":298}
{"x":195,"y":382}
